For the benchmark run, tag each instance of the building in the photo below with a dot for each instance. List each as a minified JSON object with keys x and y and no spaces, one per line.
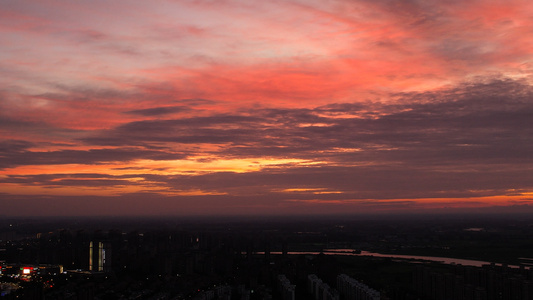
{"x":286,"y":289}
{"x":99,"y":257}
{"x":352,"y":289}
{"x":320,"y":290}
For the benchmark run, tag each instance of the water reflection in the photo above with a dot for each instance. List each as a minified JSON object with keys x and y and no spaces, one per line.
{"x":444,"y":260}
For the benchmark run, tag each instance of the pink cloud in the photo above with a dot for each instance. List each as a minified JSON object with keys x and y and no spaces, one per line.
{"x":407,"y":84}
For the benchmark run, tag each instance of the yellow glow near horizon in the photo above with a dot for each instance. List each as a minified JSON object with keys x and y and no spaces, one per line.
{"x":427,"y":203}
{"x":137,"y":183}
{"x":209,"y":165}
{"x":116,"y":190}
{"x":316,"y":191}
{"x":167,"y":167}
{"x":20,"y":189}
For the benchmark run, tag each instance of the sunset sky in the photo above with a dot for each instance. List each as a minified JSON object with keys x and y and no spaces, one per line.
{"x":265,"y":107}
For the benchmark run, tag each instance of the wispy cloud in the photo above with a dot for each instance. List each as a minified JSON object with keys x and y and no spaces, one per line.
{"x":234,"y":104}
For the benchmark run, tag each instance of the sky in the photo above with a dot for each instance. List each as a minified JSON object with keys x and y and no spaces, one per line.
{"x":239,"y":107}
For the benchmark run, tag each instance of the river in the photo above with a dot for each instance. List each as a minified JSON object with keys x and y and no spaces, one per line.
{"x":444,"y":260}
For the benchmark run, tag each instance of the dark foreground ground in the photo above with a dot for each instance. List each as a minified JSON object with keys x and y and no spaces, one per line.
{"x":236,"y":258}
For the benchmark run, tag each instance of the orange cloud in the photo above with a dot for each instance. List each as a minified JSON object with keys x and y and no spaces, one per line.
{"x":374,"y":105}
